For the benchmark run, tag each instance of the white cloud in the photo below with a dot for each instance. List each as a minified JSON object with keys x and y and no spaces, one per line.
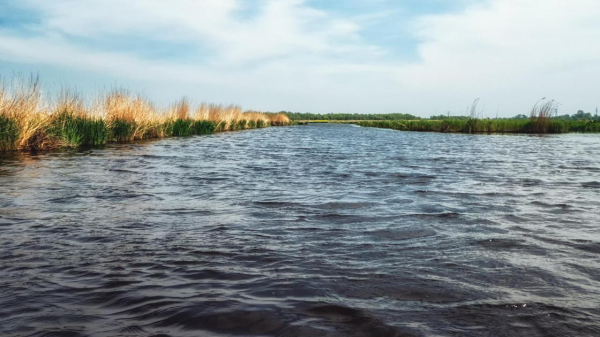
{"x":288,"y":55}
{"x":280,"y":28}
{"x":510,"y":53}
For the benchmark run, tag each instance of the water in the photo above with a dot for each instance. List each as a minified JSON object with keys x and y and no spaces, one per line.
{"x":319,"y":230}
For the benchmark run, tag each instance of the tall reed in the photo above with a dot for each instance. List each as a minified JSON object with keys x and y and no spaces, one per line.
{"x":73,"y":124}
{"x":28,"y":123}
{"x":540,"y":116}
{"x":22,"y":125}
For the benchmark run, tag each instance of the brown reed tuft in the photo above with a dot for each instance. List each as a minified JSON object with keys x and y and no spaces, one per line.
{"x":280,"y":119}
{"x":20,"y":102}
{"x":27,"y":124}
{"x":181,"y":110}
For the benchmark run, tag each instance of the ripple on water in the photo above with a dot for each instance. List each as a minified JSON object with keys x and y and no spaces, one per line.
{"x":319,"y":230}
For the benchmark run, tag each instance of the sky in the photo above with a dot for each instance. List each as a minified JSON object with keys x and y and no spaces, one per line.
{"x":424,"y":57}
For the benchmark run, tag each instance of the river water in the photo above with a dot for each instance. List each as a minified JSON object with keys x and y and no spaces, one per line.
{"x":318,"y":230}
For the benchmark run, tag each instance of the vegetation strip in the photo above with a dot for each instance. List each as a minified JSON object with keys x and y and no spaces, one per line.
{"x":455,"y":125}
{"x":542,"y":119}
{"x":27,"y":125}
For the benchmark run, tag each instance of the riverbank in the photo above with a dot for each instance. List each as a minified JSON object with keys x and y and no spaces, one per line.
{"x":27,"y":123}
{"x":530,"y":125}
{"x":542,"y":119}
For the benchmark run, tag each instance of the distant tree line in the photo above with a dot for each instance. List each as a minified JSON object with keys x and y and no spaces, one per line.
{"x":298,"y":116}
{"x":580,"y":115}
{"x":442,"y":117}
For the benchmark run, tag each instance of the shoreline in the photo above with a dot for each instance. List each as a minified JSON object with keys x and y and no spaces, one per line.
{"x":193,"y":128}
{"x":29,"y":124}
{"x":532,"y":126}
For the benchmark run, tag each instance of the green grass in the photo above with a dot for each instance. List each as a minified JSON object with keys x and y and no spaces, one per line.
{"x":121,"y":131}
{"x":583,"y":126}
{"x":182,"y":127}
{"x":9,"y":134}
{"x":204,"y":127}
{"x":474,"y":125}
{"x":75,"y":131}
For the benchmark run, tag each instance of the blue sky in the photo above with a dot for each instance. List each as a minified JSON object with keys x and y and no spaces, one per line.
{"x":422,"y":57}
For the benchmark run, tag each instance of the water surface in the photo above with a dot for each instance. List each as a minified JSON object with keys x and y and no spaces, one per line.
{"x":318,"y":230}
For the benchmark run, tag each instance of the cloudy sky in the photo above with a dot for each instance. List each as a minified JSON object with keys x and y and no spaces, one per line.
{"x":414,"y":56}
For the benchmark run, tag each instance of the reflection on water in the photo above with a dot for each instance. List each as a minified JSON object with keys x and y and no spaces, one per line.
{"x":319,"y":230}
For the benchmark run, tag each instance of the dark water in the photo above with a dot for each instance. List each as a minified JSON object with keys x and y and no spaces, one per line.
{"x":319,"y":230}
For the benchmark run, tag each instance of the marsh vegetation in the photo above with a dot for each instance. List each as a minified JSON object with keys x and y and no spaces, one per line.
{"x":488,"y":125}
{"x":542,"y":119}
{"x":28,"y":123}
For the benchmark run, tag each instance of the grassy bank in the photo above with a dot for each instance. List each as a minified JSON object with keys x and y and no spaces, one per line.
{"x":473,"y":125}
{"x":543,"y":118}
{"x":27,"y":123}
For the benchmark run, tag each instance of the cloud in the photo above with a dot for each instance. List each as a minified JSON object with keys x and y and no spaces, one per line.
{"x":510,"y":52}
{"x":289,"y":55}
{"x":284,"y":44}
{"x":278,"y":29}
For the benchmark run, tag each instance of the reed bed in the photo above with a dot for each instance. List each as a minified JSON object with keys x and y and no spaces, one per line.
{"x":474,"y":125}
{"x":540,"y":121}
{"x":27,"y":123}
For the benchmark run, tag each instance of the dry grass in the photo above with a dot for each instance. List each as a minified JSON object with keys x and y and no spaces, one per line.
{"x":258,"y":116}
{"x":19,"y":102}
{"x":280,"y":119}
{"x":70,"y":102}
{"x":202,"y":112}
{"x":181,"y":110}
{"x":27,"y":123}
{"x":120,"y":108}
{"x":226,"y":116}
